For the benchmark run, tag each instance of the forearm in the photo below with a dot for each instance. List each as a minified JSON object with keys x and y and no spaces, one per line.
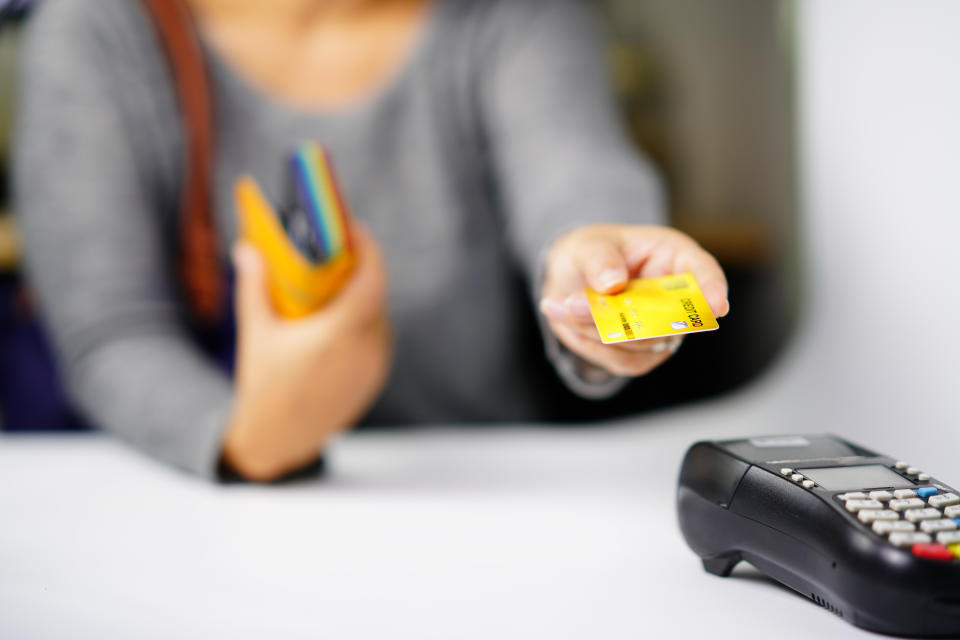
{"x":158,"y":392}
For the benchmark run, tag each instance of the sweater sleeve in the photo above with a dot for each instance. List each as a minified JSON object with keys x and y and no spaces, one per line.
{"x":95,"y":248}
{"x":561,"y":155}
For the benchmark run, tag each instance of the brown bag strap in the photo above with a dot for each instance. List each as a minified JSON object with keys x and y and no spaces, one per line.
{"x":199,"y":263}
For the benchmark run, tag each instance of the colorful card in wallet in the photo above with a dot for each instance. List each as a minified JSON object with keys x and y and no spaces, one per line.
{"x":307,"y":248}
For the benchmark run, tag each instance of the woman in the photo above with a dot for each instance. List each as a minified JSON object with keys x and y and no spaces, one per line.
{"x":476,"y":139}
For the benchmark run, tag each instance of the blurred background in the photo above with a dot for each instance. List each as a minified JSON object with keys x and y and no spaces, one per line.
{"x":707,"y":92}
{"x":812,"y":145}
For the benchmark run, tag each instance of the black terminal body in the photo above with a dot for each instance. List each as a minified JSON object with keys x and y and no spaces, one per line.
{"x":789,"y":505}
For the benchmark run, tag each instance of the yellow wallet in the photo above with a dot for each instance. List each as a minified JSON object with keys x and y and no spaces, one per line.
{"x":300,"y":282}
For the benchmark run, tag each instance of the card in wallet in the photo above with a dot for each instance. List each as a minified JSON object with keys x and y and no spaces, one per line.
{"x":307,"y":248}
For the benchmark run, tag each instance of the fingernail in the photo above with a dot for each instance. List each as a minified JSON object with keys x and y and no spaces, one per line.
{"x":578,"y":306}
{"x":610,"y":278}
{"x":659,"y":347}
{"x":553,"y":309}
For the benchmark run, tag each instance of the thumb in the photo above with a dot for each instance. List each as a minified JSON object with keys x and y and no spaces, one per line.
{"x":601,"y":264}
{"x":253,"y":304}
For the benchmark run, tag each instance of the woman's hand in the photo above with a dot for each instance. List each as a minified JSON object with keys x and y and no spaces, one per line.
{"x":299,"y":382}
{"x":605,"y":258}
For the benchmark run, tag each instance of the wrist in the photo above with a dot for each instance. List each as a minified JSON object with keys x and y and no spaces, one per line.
{"x":259,"y":455}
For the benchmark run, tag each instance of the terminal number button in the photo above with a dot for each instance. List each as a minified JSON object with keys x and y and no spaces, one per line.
{"x":952,"y":512}
{"x":944,"y":500}
{"x":883,"y":527}
{"x":903,"y":494}
{"x":899,"y":539}
{"x":867,"y":516}
{"x":933,"y":526}
{"x":932,"y":552}
{"x":856,"y":505}
{"x":786,"y":471}
{"x":948,"y":537}
{"x":853,"y":495}
{"x":909,"y":503}
{"x":916,"y":515}
{"x":882,"y":496}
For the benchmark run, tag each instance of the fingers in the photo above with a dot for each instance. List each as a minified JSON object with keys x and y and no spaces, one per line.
{"x":709,"y":275}
{"x":588,"y":331}
{"x":574,"y":311}
{"x":618,"y":360}
{"x":716,"y":295}
{"x":666,"y":251}
{"x":601,"y":263}
{"x":594,"y":260}
{"x":580,"y":335}
{"x":604,"y":257}
{"x":573,"y":308}
{"x":252,"y":300}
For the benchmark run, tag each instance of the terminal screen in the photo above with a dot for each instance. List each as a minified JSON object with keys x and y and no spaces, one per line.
{"x":863,"y":477}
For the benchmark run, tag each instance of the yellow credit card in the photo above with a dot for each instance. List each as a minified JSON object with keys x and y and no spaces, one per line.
{"x":652,"y":308}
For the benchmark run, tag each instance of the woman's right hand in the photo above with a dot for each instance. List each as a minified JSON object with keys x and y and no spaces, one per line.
{"x":300,"y":382}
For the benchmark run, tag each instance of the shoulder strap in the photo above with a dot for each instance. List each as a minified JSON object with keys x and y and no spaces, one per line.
{"x":199,"y":263}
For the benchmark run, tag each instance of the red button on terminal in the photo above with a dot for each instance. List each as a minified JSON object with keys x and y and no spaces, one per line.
{"x":933,"y":552}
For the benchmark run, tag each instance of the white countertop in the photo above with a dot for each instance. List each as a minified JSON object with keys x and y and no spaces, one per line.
{"x":513,"y":533}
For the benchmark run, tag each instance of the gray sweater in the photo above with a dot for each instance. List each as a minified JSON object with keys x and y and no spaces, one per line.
{"x":498,"y":135}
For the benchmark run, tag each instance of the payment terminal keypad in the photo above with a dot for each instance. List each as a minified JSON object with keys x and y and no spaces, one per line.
{"x":925,"y":520}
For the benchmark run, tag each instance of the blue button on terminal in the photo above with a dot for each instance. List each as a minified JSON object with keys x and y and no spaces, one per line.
{"x":926,"y":492}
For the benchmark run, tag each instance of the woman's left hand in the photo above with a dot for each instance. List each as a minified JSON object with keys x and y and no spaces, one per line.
{"x":605,"y":258}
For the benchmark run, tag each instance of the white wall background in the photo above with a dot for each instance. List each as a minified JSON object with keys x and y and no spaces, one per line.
{"x":878,"y":353}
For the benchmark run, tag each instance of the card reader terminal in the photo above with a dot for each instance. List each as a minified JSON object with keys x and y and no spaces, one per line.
{"x":870,"y":538}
